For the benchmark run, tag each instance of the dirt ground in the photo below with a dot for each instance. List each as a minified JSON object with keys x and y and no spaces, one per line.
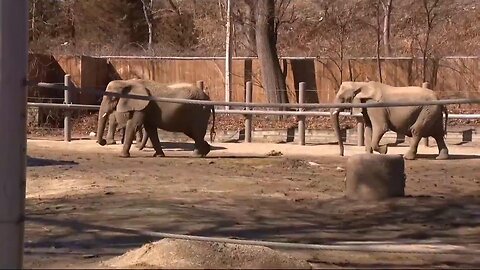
{"x":86,"y":205}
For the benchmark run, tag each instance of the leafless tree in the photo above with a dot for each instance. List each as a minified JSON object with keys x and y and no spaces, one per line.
{"x":429,"y":10}
{"x":266,"y":39}
{"x":147,"y":13}
{"x":335,"y":28}
{"x":387,"y":6}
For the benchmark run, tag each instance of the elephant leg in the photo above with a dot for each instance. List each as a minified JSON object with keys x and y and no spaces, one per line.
{"x":122,"y":140}
{"x":412,"y":152}
{"x":112,"y":126}
{"x":129,"y":133}
{"x":202,"y":148}
{"x":131,"y":127}
{"x":442,"y":147}
{"x":152,"y":133}
{"x":139,"y":137}
{"x":368,"y":139}
{"x":377,"y":134}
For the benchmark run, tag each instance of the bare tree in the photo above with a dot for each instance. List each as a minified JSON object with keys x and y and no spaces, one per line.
{"x":335,"y":28}
{"x":147,"y":12}
{"x":266,"y":39}
{"x":379,"y":35}
{"x":429,"y":8}
{"x":387,"y":6}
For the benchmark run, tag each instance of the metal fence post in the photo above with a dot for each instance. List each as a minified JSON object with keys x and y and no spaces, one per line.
{"x":301,"y":118}
{"x":360,"y":132}
{"x":248,"y":117}
{"x":13,"y":140}
{"x":67,"y":130}
{"x":425,"y":140}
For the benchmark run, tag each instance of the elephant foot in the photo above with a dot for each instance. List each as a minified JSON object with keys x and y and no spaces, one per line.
{"x":410,"y":156}
{"x":442,"y":155}
{"x":159,"y":154}
{"x":383,"y":149}
{"x":111,"y":142}
{"x":102,"y":142}
{"x":198,"y":154}
{"x":125,"y":155}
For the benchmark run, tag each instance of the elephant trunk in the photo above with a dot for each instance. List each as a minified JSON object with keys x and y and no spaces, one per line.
{"x":102,"y":121}
{"x":144,"y":140}
{"x":334,"y":116}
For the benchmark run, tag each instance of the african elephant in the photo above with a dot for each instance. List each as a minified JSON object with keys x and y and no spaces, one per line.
{"x":191,"y":119}
{"x":413,"y":121}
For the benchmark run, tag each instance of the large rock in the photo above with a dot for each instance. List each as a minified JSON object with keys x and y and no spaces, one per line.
{"x":375,"y":177}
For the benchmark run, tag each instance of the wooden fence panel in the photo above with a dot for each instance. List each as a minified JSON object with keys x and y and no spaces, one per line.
{"x":450,"y":77}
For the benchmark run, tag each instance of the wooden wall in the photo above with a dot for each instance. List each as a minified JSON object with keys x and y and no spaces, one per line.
{"x":451,"y":77}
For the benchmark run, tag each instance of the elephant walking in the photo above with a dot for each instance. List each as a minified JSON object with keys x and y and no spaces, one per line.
{"x":191,"y":119}
{"x":413,"y":121}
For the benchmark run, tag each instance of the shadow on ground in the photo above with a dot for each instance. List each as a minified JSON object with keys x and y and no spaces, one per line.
{"x":40,"y":162}
{"x":113,"y":224}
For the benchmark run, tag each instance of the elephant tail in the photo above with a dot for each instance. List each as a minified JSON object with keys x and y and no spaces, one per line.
{"x":444,"y":109}
{"x":212,"y":129}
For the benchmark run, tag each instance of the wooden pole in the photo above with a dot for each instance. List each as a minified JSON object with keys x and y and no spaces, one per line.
{"x":360,"y":132}
{"x":13,"y":142}
{"x":67,"y":131}
{"x":228,"y":55}
{"x":425,"y":140}
{"x":301,"y":119}
{"x":248,"y":117}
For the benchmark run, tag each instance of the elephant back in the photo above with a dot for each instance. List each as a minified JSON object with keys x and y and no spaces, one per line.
{"x":176,"y":90}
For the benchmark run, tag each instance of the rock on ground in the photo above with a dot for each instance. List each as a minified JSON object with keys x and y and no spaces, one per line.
{"x":173,"y":253}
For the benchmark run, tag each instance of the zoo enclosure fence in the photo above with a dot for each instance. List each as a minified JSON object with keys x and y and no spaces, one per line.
{"x":419,"y":248}
{"x":301,"y":112}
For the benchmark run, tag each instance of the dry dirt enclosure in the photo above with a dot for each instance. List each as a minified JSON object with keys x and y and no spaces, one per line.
{"x":86,"y":205}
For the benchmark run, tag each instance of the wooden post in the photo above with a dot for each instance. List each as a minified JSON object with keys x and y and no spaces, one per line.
{"x":13,"y":140}
{"x":360,"y":132}
{"x":248,"y":117}
{"x":425,"y":140}
{"x":301,"y":118}
{"x":228,"y":55}
{"x":67,"y":130}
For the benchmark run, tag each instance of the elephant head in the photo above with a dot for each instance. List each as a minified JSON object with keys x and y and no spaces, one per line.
{"x":111,"y":104}
{"x":351,"y":92}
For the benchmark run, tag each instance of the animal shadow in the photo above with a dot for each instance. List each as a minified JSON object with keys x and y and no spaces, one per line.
{"x":451,"y":156}
{"x":187,"y":146}
{"x":41,"y":162}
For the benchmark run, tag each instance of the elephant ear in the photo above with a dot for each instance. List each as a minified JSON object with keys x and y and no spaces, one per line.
{"x":363,"y":94}
{"x":130,"y":104}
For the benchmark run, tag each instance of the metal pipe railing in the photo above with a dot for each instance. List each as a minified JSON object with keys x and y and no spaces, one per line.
{"x":301,"y":113}
{"x":274,"y":105}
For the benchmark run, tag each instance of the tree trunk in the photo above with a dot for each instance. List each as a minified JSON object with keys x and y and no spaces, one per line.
{"x":250,"y":31}
{"x":379,"y":63}
{"x":33,"y":25}
{"x":147,"y":12}
{"x":273,"y":80}
{"x":387,"y":11}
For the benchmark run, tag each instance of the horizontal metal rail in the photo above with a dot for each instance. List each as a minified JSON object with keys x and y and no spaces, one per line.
{"x":241,"y":112}
{"x":281,"y":57}
{"x":63,"y":106}
{"x":275,"y":105}
{"x":420,"y":248}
